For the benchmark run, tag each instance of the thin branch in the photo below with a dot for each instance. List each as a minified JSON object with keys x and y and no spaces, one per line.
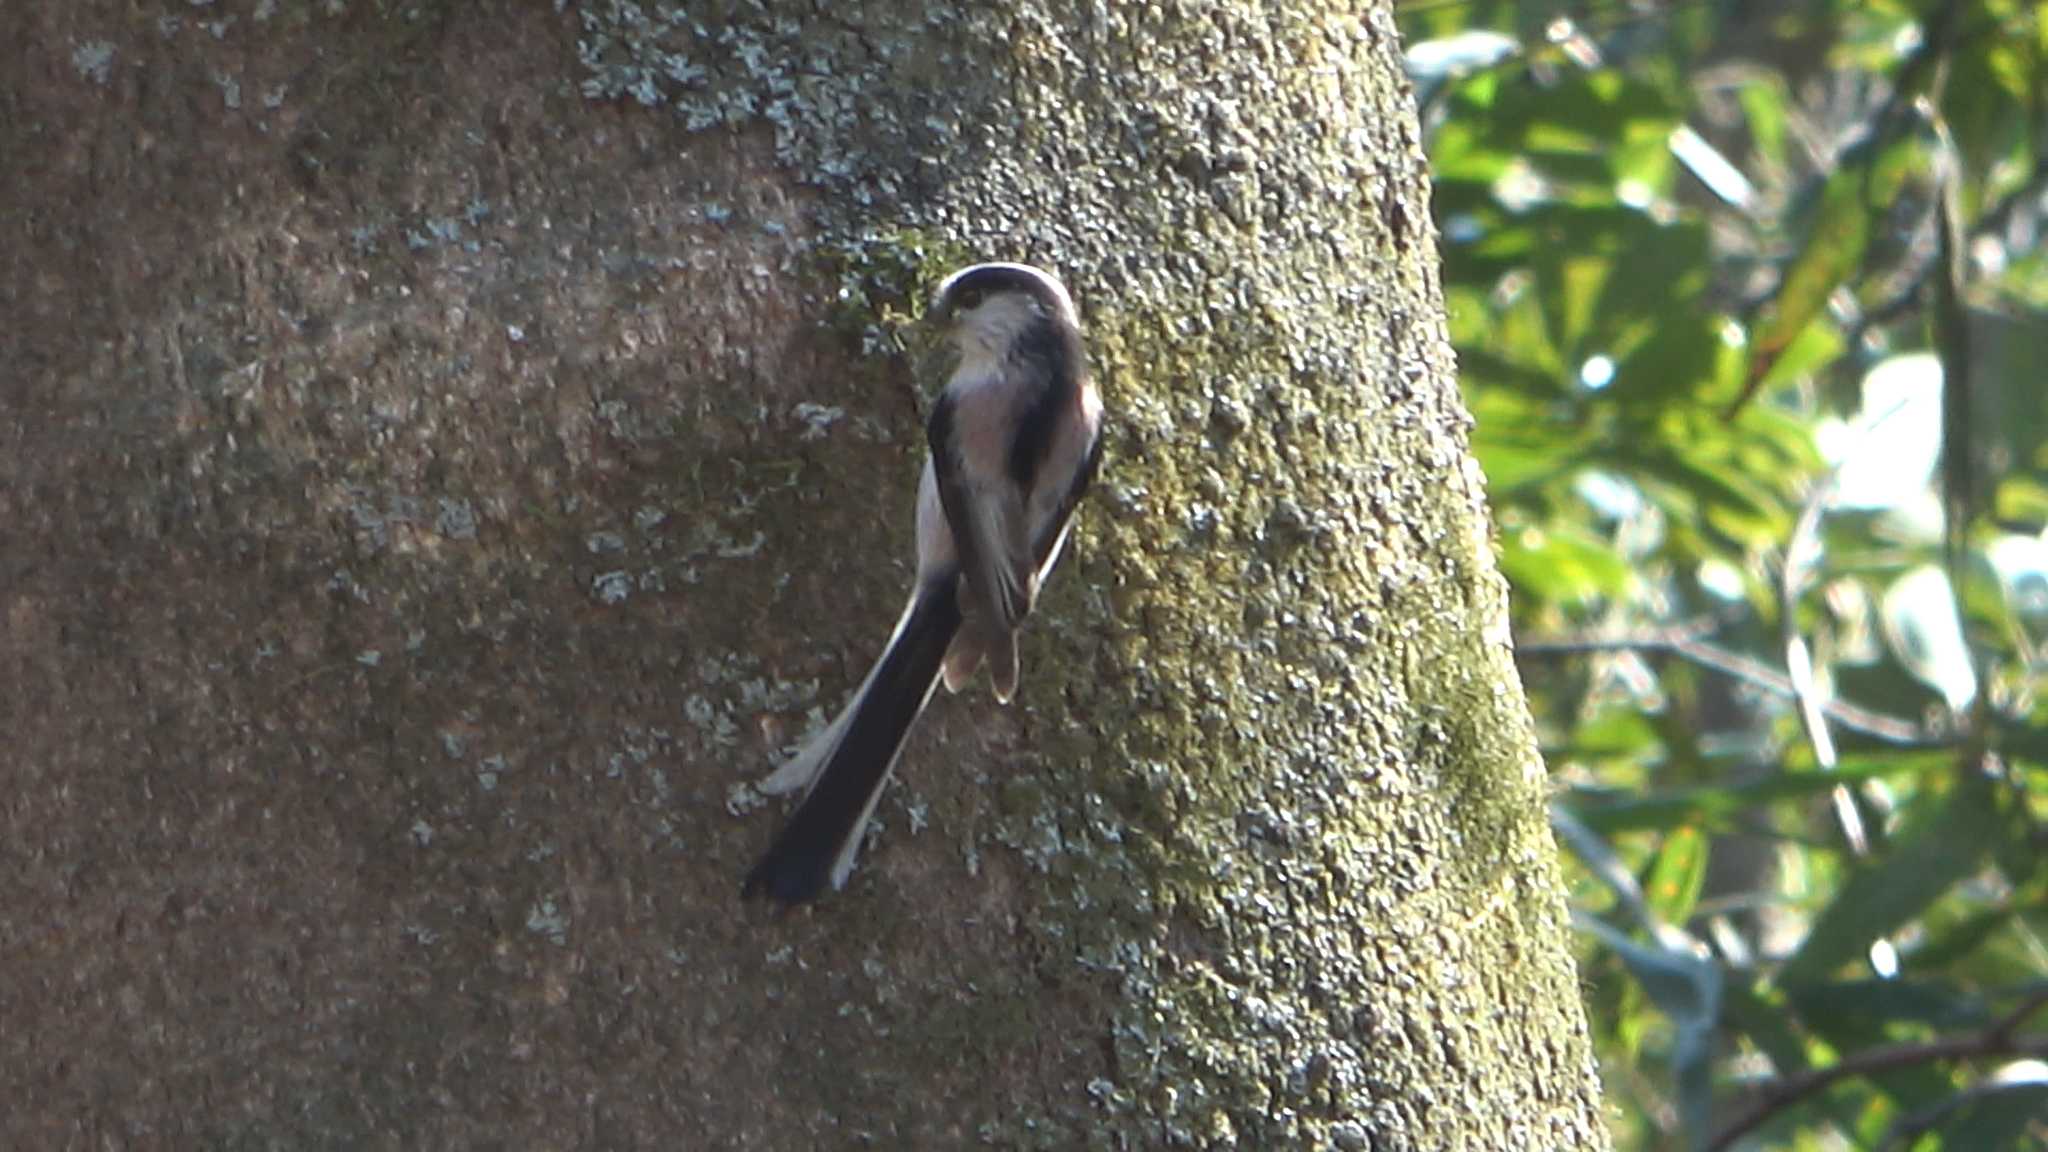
{"x":1687,"y":643}
{"x":2001,"y":1038}
{"x":1908,"y":1129}
{"x":1802,"y":556}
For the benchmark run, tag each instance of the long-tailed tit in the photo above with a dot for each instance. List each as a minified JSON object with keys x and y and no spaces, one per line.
{"x":1015,"y":439}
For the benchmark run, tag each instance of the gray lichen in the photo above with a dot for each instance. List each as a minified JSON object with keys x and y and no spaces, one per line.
{"x":94,"y":60}
{"x":546,"y":919}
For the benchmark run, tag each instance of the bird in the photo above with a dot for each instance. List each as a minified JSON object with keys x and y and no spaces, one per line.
{"x":1014,"y":441}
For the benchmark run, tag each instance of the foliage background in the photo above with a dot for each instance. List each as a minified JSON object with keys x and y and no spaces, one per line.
{"x":1749,"y":304}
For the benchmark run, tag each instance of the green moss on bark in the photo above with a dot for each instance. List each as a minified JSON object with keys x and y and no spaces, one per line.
{"x":1285,"y":796}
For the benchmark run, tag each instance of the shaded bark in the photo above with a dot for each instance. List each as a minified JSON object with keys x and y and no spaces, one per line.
{"x":428,"y":497}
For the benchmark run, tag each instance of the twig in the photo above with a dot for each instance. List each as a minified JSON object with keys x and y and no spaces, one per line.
{"x":1686,"y":643}
{"x":2001,"y":1038}
{"x":1908,"y":1129}
{"x":1802,"y":555}
{"x":1951,"y":329}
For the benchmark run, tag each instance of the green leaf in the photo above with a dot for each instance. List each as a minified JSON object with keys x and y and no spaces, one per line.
{"x":1831,"y":252}
{"x":2017,"y":843}
{"x":2006,"y":349}
{"x":1991,"y":76}
{"x":1612,"y":733}
{"x":1521,"y":333}
{"x":1522,"y":399}
{"x":1762,"y":1015}
{"x":1662,"y":266}
{"x":1811,"y":350}
{"x":1681,"y":356}
{"x":1947,"y":947}
{"x":1737,"y":504}
{"x":1866,"y":179}
{"x":1672,"y":887}
{"x":1933,"y":1003}
{"x":2021,"y":500}
{"x":1787,"y":440}
{"x":1572,"y":121}
{"x":1563,"y":565}
{"x":1856,"y":1015}
{"x":1938,"y":848}
{"x":1763,"y":104}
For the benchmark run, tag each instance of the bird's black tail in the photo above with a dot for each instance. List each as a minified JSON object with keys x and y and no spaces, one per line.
{"x":817,"y":846}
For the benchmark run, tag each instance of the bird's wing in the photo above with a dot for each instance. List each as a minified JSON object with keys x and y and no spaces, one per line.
{"x":991,"y":528}
{"x":1053,"y":537}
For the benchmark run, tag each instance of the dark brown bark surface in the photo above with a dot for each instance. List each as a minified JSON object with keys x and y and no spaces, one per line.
{"x":426,"y":501}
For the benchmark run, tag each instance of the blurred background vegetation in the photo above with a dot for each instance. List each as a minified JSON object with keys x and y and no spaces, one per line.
{"x":1751,"y":307}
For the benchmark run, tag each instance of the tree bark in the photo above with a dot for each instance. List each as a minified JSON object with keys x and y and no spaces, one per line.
{"x":451,"y":447}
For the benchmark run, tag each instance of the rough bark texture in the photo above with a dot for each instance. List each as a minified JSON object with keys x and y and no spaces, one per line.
{"x":429,"y":451}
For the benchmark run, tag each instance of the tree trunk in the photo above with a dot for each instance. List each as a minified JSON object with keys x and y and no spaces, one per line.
{"x":431,"y":495}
